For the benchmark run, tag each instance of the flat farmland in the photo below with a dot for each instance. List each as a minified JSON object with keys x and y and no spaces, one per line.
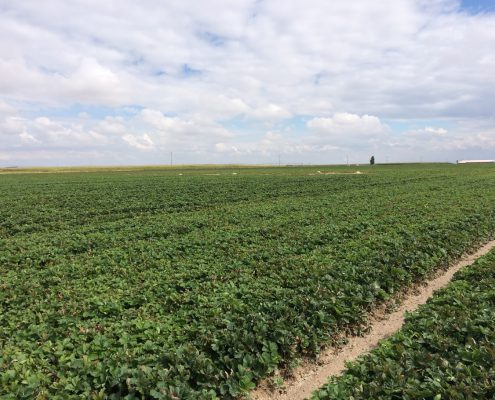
{"x":196,"y":283}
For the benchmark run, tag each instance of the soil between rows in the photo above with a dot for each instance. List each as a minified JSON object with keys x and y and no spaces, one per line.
{"x":310,"y":376}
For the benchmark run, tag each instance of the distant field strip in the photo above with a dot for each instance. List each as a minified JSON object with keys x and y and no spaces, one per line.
{"x":147,"y":284}
{"x":446,"y":350}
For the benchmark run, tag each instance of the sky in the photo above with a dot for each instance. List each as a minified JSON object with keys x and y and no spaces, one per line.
{"x":86,"y":82}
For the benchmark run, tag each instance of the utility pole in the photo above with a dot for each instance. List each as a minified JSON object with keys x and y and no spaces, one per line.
{"x":279,"y":160}
{"x":347,"y":159}
{"x":171,"y":158}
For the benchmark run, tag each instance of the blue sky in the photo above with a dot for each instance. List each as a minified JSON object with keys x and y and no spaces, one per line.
{"x":90,"y":82}
{"x":478,"y":6}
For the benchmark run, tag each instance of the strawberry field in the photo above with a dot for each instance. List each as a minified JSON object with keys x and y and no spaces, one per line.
{"x":196,"y":283}
{"x":446,"y":350}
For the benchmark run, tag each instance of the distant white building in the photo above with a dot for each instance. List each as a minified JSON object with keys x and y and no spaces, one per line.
{"x":475,"y":161}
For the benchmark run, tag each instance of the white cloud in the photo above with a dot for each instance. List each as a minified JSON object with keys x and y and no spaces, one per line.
{"x":174,"y":129}
{"x":142,"y":142}
{"x":29,"y":139}
{"x":6,"y":109}
{"x":368,"y":57}
{"x":110,"y":125}
{"x":91,"y":82}
{"x":166,"y":124}
{"x":436,"y":131}
{"x":49,"y":133}
{"x":62,"y":135}
{"x":12,"y":125}
{"x":219,"y":106}
{"x":350,"y":130}
{"x":84,"y":115}
{"x":348,"y":124}
{"x":273,"y":145}
{"x":270,"y":112}
{"x":190,"y":76}
{"x":225,"y":148}
{"x":428,"y":132}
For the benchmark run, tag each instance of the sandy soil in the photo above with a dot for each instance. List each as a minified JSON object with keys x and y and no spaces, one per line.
{"x":336,"y":173}
{"x":310,"y":376}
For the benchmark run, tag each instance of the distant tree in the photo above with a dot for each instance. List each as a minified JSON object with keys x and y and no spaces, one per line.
{"x":372,"y":160}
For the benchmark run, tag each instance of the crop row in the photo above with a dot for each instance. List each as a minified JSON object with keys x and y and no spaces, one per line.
{"x":142,"y":285}
{"x":445,"y":350}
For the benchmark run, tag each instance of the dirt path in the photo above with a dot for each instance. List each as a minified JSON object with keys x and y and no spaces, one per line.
{"x":310,"y":376}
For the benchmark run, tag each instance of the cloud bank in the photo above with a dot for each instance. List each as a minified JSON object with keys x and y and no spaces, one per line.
{"x":87,"y":82}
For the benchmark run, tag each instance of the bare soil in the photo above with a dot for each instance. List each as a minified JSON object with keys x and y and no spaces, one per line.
{"x":336,"y":173}
{"x":310,"y":376}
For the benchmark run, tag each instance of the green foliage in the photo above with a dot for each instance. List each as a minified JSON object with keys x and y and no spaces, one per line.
{"x":446,"y":350}
{"x":150,"y":284}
